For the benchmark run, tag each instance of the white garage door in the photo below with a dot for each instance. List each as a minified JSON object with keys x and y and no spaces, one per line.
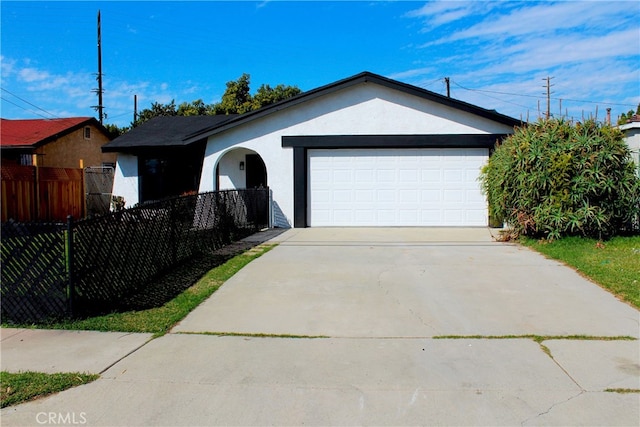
{"x":396,"y":187}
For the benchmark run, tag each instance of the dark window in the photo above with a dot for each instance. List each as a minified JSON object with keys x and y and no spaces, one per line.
{"x":26,"y":159}
{"x":87,"y":132}
{"x":170,"y":172}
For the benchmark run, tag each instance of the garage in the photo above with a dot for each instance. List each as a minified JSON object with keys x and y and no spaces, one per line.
{"x":396,"y":187}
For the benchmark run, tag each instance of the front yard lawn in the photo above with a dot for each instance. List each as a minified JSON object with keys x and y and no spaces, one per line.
{"x":160,"y":319}
{"x":613,"y":264}
{"x":24,"y":386}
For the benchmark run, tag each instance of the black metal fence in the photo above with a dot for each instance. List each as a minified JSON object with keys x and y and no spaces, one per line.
{"x":93,"y":265}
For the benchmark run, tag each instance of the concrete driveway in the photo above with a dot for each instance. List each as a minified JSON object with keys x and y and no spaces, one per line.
{"x":408,"y":282}
{"x":380,"y":327}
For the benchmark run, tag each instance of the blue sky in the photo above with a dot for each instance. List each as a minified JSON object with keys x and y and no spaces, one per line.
{"x":495,"y":53}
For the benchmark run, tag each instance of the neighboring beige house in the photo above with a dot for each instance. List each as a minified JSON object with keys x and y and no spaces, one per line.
{"x":631,"y":132}
{"x":73,"y":142}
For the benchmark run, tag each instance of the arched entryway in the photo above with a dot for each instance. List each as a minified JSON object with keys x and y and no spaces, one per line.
{"x":241,"y":168}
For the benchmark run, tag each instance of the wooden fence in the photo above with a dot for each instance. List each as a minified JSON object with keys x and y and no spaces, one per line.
{"x":31,"y":193}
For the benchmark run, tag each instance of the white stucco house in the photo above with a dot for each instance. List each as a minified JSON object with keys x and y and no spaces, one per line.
{"x":363,"y":151}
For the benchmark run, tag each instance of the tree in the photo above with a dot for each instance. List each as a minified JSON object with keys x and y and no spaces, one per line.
{"x":554,"y":178}
{"x":625,"y":118}
{"x":237,"y":99}
{"x":156,"y":110}
{"x":115,"y":131}
{"x":195,"y":108}
{"x":267,"y":95}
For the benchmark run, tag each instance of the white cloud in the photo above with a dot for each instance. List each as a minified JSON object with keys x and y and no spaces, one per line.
{"x":444,"y":12}
{"x":522,"y":19}
{"x":413,"y":73}
{"x":33,"y":75}
{"x":591,"y":48}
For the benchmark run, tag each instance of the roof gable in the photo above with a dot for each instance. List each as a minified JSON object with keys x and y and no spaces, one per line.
{"x":164,"y":131}
{"x":364,"y":77}
{"x":37,"y":132}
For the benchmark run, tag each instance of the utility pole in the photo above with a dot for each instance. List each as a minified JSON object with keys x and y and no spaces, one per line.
{"x":548,"y":86}
{"x":99,"y":108}
{"x":135,"y":108}
{"x":446,"y":82}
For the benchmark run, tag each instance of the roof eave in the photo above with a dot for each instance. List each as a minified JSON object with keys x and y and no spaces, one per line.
{"x":364,"y":77}
{"x":17,"y":147}
{"x":143,"y":148}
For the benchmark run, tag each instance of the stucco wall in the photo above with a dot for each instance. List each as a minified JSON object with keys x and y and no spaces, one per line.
{"x":231,"y":176}
{"x":67,"y":151}
{"x":125,"y":182}
{"x":364,"y":109}
{"x":632,"y":138}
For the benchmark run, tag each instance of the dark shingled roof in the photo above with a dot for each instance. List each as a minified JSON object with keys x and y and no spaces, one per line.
{"x":170,"y":131}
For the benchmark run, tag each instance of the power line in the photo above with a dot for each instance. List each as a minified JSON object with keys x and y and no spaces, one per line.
{"x":27,"y":102}
{"x":25,"y":109}
{"x":540,"y":97}
{"x":493,"y":97}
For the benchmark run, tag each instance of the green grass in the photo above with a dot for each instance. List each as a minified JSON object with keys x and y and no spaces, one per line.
{"x":613,"y":264}
{"x":259,"y":335}
{"x":20,"y":387}
{"x":623,"y":390}
{"x":536,"y":338}
{"x":159,"y":320}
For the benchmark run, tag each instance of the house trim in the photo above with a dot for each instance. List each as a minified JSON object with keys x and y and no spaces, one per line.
{"x":301,"y":144}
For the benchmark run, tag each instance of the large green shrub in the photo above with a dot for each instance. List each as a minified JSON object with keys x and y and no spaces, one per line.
{"x":554,"y":178}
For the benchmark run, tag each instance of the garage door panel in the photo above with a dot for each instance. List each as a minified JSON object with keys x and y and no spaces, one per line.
{"x":342,"y":176}
{"x":432,"y":175}
{"x":342,"y":196}
{"x":365,"y":216}
{"x":395,"y":187}
{"x":408,"y":175}
{"x":454,"y":175}
{"x":409,"y":196}
{"x":365,"y":175}
{"x":386,"y":196}
{"x":408,"y":216}
{"x":385,"y":175}
{"x":322,"y":196}
{"x":365,"y":196}
{"x":431,"y":197}
{"x":474,"y":198}
{"x":453,"y":196}
{"x":454,"y":216}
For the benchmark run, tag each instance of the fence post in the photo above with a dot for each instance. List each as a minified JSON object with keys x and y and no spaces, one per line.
{"x":173,"y":232}
{"x":70,"y":266}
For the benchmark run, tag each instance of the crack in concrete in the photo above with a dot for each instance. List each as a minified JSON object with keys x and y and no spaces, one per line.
{"x":399,"y":303}
{"x":126,"y":355}
{"x":552,"y":407}
{"x":547,"y":351}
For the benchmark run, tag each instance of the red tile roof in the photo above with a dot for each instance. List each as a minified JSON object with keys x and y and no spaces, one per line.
{"x":15,"y":133}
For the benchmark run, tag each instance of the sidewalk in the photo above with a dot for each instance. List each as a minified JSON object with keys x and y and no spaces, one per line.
{"x":52,"y":351}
